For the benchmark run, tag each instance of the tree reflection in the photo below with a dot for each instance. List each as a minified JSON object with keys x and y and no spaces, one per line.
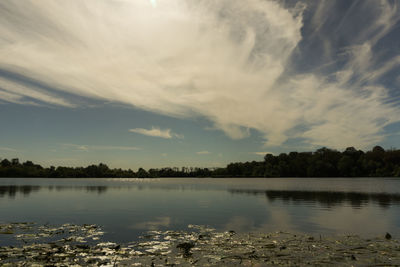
{"x":326,"y":198}
{"x":11,"y":191}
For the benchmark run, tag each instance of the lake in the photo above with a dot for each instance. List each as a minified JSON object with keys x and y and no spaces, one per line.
{"x":127,"y":208}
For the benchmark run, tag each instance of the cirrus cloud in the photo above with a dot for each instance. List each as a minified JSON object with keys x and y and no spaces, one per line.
{"x":229,"y":61}
{"x":87,"y":148}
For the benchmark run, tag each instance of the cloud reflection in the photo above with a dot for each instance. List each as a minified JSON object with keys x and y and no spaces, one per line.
{"x":155,"y":224}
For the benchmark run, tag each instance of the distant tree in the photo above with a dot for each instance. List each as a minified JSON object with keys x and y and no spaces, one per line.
{"x":142,"y":173}
{"x":350,"y":151}
{"x":269,"y":158}
{"x":5,"y":163}
{"x":346,"y":165}
{"x":28,"y":164}
{"x":324,"y":162}
{"x":234,"y":169}
{"x":378,"y":150}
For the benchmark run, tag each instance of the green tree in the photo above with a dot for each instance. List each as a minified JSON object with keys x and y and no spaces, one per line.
{"x":142,"y":173}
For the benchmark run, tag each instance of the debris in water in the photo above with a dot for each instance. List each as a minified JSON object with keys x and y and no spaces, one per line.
{"x":75,"y":245}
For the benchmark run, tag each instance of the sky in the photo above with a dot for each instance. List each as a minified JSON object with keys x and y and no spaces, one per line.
{"x":157,"y":83}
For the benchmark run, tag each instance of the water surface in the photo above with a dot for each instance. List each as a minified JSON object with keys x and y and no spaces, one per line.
{"x":126,"y":208}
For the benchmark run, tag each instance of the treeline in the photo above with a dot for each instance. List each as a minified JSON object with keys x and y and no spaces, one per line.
{"x":13,"y":168}
{"x":324,"y":162}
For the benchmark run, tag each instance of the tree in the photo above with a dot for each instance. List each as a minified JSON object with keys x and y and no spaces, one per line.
{"x":5,"y":163}
{"x":142,"y":173}
{"x":345,"y":166}
{"x":28,"y":164}
{"x":378,"y":150}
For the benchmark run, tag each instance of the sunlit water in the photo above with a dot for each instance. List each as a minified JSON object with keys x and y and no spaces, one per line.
{"x":126,"y":208}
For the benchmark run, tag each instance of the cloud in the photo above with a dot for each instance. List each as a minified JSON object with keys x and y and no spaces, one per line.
{"x":154,"y":3}
{"x":14,"y":92}
{"x":234,"y":63}
{"x":205,"y":152}
{"x":10,"y":97}
{"x":157,"y":132}
{"x":7,"y":149}
{"x":96,"y":148}
{"x":261,"y":153}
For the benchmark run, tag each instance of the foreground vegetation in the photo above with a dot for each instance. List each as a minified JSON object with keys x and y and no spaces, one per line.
{"x":323,"y":162}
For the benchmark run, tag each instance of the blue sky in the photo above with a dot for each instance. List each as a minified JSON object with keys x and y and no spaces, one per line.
{"x":140,"y":83}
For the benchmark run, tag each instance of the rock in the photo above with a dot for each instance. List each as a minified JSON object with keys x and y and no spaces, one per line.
{"x":82,"y":246}
{"x":186,"y":246}
{"x":200,"y":248}
{"x":388,"y":236}
{"x":269,"y":245}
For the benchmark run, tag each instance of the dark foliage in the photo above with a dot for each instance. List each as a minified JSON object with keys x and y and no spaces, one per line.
{"x":324,"y":162}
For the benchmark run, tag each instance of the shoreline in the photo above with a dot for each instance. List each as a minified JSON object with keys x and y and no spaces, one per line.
{"x":81,"y":245}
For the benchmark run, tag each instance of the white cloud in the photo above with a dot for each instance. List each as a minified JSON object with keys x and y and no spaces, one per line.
{"x":95,"y":148}
{"x":10,"y":97}
{"x":261,"y":153}
{"x":16,"y":92}
{"x":225,"y":60}
{"x":157,"y":132}
{"x":205,"y":152}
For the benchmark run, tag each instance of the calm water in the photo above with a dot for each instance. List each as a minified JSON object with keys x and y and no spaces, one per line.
{"x":126,"y":208}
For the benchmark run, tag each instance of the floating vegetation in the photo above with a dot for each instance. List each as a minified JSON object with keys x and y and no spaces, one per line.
{"x":81,"y":245}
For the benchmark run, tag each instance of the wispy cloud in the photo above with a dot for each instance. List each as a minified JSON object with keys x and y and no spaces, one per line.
{"x":95,"y":148}
{"x":261,"y":153}
{"x":224,"y":60}
{"x":205,"y":152}
{"x":157,"y":132}
{"x":7,"y":149}
{"x":15,"y":92}
{"x":10,"y":97}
